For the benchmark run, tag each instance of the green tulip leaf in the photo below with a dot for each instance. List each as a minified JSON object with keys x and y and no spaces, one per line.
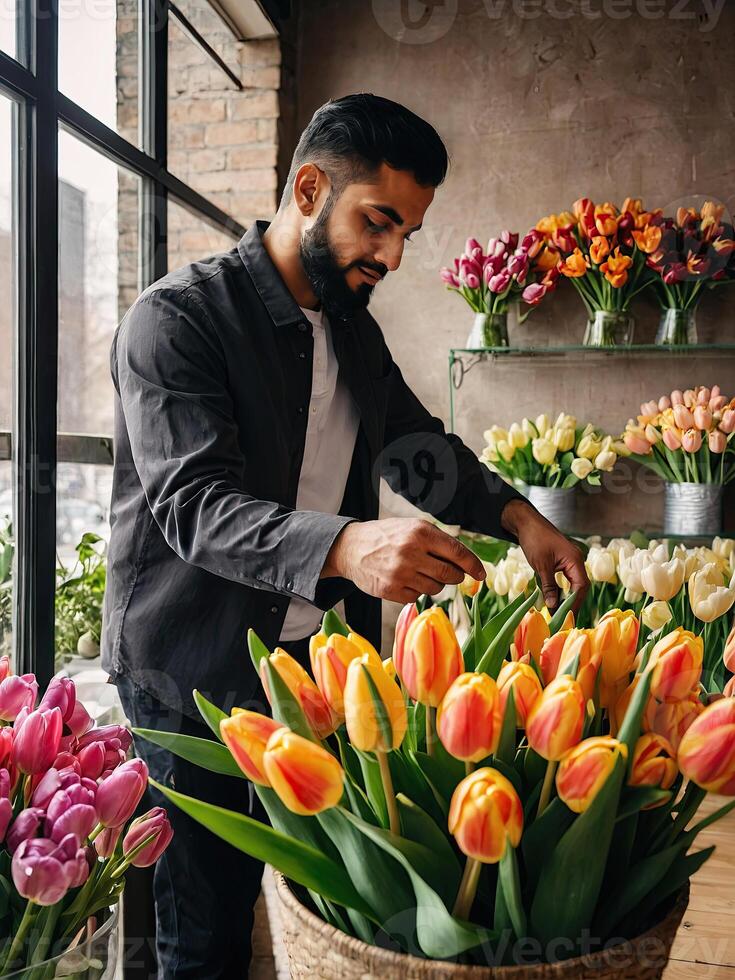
{"x":305,"y":829}
{"x":258,"y":650}
{"x":443,"y":779}
{"x":506,"y":750}
{"x":510,"y":882}
{"x":332,"y":623}
{"x":293,"y":858}
{"x":630,"y":729}
{"x":409,"y":779}
{"x":557,"y":620}
{"x":374,"y":786}
{"x":418,"y":826}
{"x":636,"y":798}
{"x":675,"y":878}
{"x":284,"y":705}
{"x":491,"y":661}
{"x":638,"y":882}
{"x":200,"y":751}
{"x":209,"y":712}
{"x":541,"y":837}
{"x":381,"y":712}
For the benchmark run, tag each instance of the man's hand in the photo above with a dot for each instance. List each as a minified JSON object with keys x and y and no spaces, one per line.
{"x":548,"y":551}
{"x":400,"y":559}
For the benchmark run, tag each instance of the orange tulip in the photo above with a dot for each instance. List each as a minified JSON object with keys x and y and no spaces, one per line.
{"x":654,"y":762}
{"x":550,"y":655}
{"x":329,"y":664}
{"x":431,"y":657}
{"x":485,"y":815}
{"x":599,"y":249}
{"x":677,"y":665}
{"x":246,"y":733}
{"x":615,"y":269}
{"x":584,"y":211}
{"x":648,"y":239}
{"x":578,"y":643}
{"x":672,"y":720}
{"x":584,"y":770}
{"x":522,"y":678}
{"x":316,"y":710}
{"x":707,"y":751}
{"x":470,"y":717}
{"x":728,"y":654}
{"x":390,"y":668}
{"x":615,"y":638}
{"x":729,"y":689}
{"x":574,"y":265}
{"x":548,"y":259}
{"x":556,"y":721}
{"x":405,"y":618}
{"x":530,"y":634}
{"x":306,"y":777}
{"x":606,"y":218}
{"x":363,"y":726}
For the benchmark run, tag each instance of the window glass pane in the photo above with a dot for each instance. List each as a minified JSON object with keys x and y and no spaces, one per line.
{"x":98,"y":263}
{"x":9,"y":12}
{"x":98,"y":60}
{"x":191,"y":239}
{"x":8,"y":315}
{"x":222,"y":139}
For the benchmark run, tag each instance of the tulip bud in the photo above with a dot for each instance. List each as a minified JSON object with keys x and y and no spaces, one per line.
{"x":544,"y":451}
{"x":556,"y":721}
{"x":154,"y":824}
{"x":717,"y":441}
{"x":663,"y":580}
{"x":405,"y":618}
{"x":656,"y":615}
{"x":470,"y":718}
{"x":531,"y":633}
{"x":543,"y":424}
{"x":317,"y":712}
{"x":728,"y":654}
{"x":584,"y":770}
{"x":615,"y":638}
{"x":523,"y":680}
{"x":329,"y":664}
{"x":61,"y":693}
{"x":702,"y":417}
{"x":578,"y":645}
{"x":306,"y":777}
{"x":432,"y":658}
{"x":676,"y":661}
{"x":727,"y":423}
{"x":106,"y":841}
{"x":246,"y":734}
{"x":654,"y":763}
{"x":485,"y":815}
{"x":43,"y":871}
{"x":563,"y":438}
{"x":17,"y":692}
{"x":25,"y":826}
{"x":361,"y":718}
{"x":707,"y":751}
{"x":121,"y":792}
{"x":672,"y":439}
{"x":36,"y":743}
{"x":550,"y":655}
{"x":691,"y":441}
{"x":582,"y":468}
{"x":605,"y":461}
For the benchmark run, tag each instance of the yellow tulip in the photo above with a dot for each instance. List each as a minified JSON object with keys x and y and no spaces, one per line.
{"x":581,"y":467}
{"x":316,"y":710}
{"x":605,"y":460}
{"x":306,"y":777}
{"x":485,"y":815}
{"x":517,"y":438}
{"x":363,"y":726}
{"x":246,"y":734}
{"x":556,"y":720}
{"x":524,"y":682}
{"x":431,"y":657}
{"x":470,"y":718}
{"x":707,"y":750}
{"x":585,"y":768}
{"x":654,"y":762}
{"x":589,"y":447}
{"x":563,"y":438}
{"x":656,"y":615}
{"x":544,"y":451}
{"x":676,"y":661}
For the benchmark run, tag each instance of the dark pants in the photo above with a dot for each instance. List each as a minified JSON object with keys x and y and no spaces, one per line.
{"x":204,"y":888}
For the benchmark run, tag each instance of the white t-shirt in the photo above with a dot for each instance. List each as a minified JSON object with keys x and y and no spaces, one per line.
{"x":331,"y":432}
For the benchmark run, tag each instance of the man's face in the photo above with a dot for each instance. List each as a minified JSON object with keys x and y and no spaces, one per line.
{"x":359,"y":238}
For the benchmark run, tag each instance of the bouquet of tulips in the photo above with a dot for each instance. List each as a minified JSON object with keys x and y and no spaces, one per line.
{"x":508,"y":271}
{"x":545,"y":454}
{"x":686,"y":437}
{"x":67,"y":795}
{"x":696,"y":249}
{"x":501,"y":801}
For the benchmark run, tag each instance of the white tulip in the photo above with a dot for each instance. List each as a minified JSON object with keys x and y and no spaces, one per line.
{"x":663,"y":580}
{"x":709,"y":596}
{"x":723,"y":547}
{"x":656,"y":615}
{"x":601,"y":566}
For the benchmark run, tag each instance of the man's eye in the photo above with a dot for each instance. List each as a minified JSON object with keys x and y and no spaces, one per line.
{"x":374,"y":228}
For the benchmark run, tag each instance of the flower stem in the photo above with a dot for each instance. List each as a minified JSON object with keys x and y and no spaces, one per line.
{"x":547,"y":787}
{"x":390,"y":796}
{"x":467,"y":888}
{"x":19,"y":938}
{"x":430,"y":729}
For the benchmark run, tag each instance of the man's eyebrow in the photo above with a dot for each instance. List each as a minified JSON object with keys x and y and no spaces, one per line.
{"x":391,"y":213}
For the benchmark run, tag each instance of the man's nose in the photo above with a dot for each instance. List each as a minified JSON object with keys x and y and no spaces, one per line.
{"x":390,"y":255}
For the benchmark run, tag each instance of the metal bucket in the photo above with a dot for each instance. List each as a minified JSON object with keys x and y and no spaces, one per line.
{"x":556,"y":504}
{"x":693,"y":509}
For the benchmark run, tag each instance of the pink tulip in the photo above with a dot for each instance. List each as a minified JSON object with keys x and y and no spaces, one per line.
{"x":36,"y":744}
{"x":518,"y":264}
{"x":4,"y":667}
{"x":79,"y":721}
{"x":60,"y":694}
{"x":702,"y":417}
{"x":532,"y":242}
{"x":534,"y":293}
{"x":510,"y":238}
{"x":496,"y":248}
{"x":664,"y":402}
{"x":717,"y":441}
{"x":43,"y":871}
{"x":106,"y":841}
{"x":691,"y":441}
{"x":449,"y":277}
{"x":6,"y":815}
{"x":6,"y":745}
{"x":690,"y":398}
{"x":500,"y":282}
{"x":92,"y":760}
{"x":703,"y":396}
{"x":649,"y":408}
{"x":727,"y":424}
{"x":121,"y":792}
{"x":72,"y":811}
{"x":683,"y":417}
{"x":717,"y":403}
{"x":24,"y":827}
{"x":17,"y":692}
{"x":672,"y":439}
{"x":677,"y":397}
{"x":637,"y":444}
{"x":471,"y":280}
{"x":155,"y":823}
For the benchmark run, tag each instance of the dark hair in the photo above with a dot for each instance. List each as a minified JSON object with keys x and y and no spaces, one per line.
{"x":349,"y":138}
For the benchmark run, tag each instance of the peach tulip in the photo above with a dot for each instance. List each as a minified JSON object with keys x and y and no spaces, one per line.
{"x":431,"y":657}
{"x":470,"y":717}
{"x":531,"y":633}
{"x":702,"y":417}
{"x":556,"y":721}
{"x":683,"y":417}
{"x":691,"y":441}
{"x":316,"y":710}
{"x":635,"y":440}
{"x":306,"y":777}
{"x":246,"y":734}
{"x":363,"y":723}
{"x":654,"y":762}
{"x":585,"y":768}
{"x":717,"y":442}
{"x":707,"y":750}
{"x":526,"y":686}
{"x":672,"y":720}
{"x":672,"y":439}
{"x":485,"y":815}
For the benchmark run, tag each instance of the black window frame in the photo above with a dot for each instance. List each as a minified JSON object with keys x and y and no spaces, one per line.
{"x":42,"y":110}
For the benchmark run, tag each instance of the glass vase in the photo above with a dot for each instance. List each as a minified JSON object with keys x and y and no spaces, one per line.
{"x":677,"y":327}
{"x":607,"y":328}
{"x":488,"y":330}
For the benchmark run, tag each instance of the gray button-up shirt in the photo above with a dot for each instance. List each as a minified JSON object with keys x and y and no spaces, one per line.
{"x":212,"y":368}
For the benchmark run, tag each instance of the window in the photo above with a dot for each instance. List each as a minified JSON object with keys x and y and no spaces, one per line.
{"x":98,"y":60}
{"x":9,"y":15}
{"x":191,"y":239}
{"x":7,"y":342}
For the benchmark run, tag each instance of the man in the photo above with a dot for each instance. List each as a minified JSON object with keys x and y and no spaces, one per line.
{"x":257,"y":403}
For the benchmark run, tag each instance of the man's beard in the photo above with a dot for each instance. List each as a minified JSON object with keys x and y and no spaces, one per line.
{"x":327,"y":278}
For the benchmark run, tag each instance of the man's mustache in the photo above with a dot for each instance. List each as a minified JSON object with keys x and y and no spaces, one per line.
{"x":378,"y":267}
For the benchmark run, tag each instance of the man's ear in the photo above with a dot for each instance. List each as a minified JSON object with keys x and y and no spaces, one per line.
{"x":310,"y":189}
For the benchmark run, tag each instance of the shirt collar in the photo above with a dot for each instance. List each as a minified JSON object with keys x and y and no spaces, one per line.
{"x":279,"y":302}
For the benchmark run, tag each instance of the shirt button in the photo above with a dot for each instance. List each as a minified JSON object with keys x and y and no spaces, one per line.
{"x":274,"y":609}
{"x":302,"y":327}
{"x":302,"y":355}
{"x":300,"y":409}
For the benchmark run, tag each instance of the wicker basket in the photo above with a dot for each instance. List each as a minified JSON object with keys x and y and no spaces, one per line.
{"x":317,"y":951}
